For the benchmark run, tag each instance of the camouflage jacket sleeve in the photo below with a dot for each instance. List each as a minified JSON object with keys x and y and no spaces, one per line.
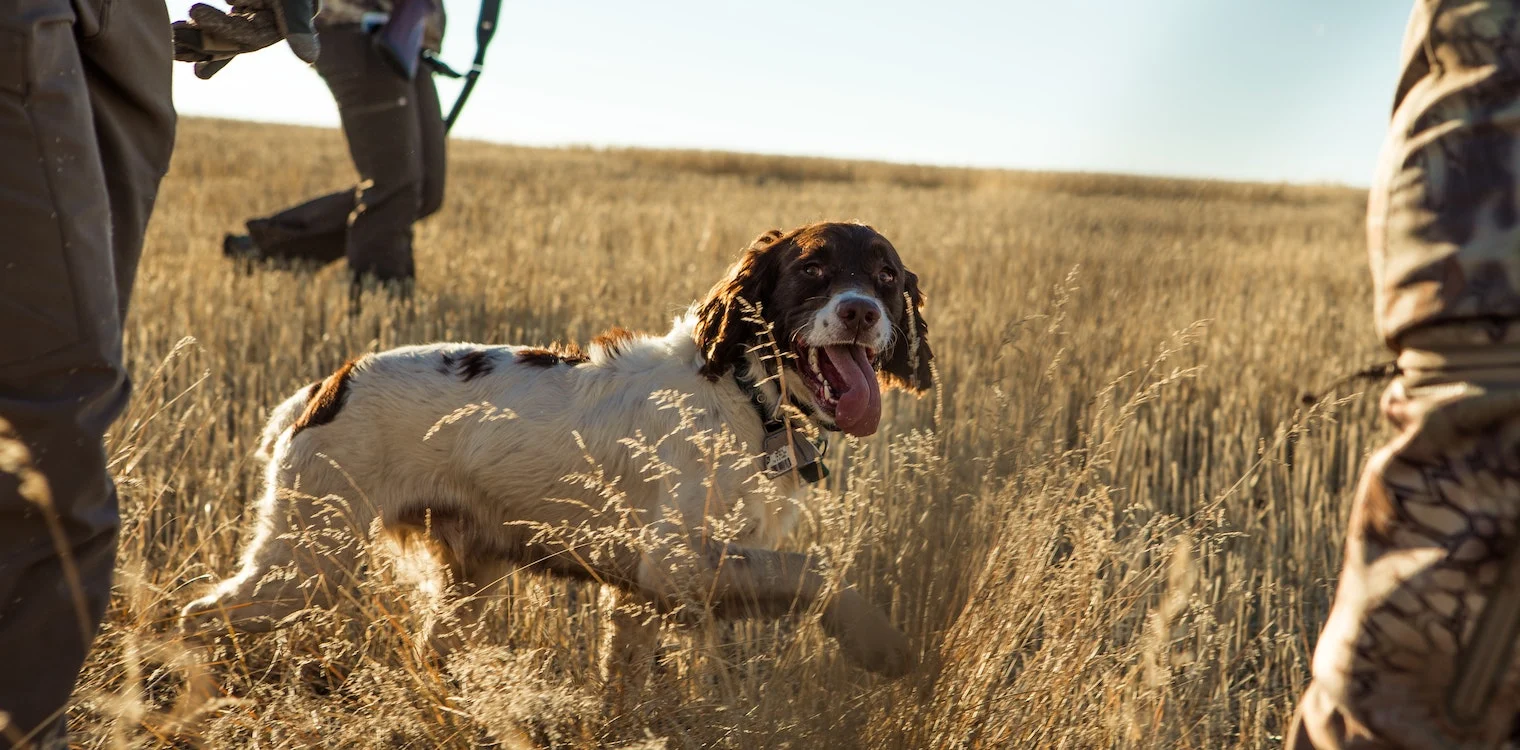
{"x":1444,"y":214}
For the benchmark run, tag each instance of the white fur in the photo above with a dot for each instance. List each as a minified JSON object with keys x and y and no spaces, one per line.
{"x":498,"y":459}
{"x":500,"y":447}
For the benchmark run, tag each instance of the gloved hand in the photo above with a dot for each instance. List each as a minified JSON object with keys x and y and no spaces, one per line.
{"x":211,"y":38}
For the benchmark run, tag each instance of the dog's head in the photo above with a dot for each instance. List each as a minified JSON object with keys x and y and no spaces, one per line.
{"x":842,"y":307}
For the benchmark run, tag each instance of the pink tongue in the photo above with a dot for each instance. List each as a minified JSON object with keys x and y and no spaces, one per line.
{"x":859,"y":410}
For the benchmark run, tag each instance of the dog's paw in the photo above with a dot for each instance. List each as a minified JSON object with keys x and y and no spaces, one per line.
{"x":867,"y":638}
{"x":198,"y":615}
{"x":213,"y":614}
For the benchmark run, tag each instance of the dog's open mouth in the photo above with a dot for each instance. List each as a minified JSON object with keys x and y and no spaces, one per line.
{"x":842,"y":378}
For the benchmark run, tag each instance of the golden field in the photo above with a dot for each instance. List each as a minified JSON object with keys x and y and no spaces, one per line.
{"x":1113,"y":526}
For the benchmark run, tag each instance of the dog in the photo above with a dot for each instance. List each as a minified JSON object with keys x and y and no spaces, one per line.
{"x":498,"y":458}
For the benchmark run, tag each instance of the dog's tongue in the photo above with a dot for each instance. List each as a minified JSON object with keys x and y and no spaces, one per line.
{"x":859,"y":410}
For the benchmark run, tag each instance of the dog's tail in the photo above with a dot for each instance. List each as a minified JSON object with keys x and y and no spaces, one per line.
{"x":281,"y":418}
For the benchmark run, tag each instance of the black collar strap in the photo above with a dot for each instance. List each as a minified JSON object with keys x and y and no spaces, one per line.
{"x":771,"y":421}
{"x":811,"y":468}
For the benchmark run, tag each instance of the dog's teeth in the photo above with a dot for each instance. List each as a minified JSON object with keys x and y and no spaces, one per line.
{"x":828,"y":393}
{"x":813,"y":359}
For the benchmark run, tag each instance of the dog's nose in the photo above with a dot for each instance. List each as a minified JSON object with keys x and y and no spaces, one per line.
{"x":858,"y":315}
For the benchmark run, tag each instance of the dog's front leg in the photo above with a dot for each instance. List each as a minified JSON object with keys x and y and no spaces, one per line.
{"x":629,"y":643}
{"x":748,"y":582}
{"x":485,"y":585}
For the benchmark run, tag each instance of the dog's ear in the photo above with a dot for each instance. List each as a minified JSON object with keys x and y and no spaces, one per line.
{"x":766,"y":239}
{"x":907,"y":364}
{"x":725,"y":320}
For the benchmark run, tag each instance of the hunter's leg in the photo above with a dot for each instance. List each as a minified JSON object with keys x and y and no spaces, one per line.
{"x":1410,"y":657}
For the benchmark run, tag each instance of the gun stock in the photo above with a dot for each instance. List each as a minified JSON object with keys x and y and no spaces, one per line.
{"x":399,"y":41}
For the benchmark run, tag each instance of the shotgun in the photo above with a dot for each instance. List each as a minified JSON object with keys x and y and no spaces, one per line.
{"x":398,"y":39}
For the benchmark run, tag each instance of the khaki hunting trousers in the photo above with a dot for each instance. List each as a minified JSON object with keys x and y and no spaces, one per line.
{"x":86,"y":130}
{"x":396,"y":138}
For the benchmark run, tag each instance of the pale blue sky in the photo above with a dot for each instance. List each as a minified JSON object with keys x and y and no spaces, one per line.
{"x":1295,"y":90}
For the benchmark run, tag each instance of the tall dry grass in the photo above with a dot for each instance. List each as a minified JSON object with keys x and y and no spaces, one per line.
{"x":1113,"y":527}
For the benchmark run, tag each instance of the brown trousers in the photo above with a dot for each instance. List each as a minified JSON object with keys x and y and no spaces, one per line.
{"x":86,"y":130}
{"x":396,"y":138}
{"x":1410,"y":657}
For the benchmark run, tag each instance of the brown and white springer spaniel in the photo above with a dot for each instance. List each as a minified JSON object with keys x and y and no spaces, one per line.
{"x":661,"y":466}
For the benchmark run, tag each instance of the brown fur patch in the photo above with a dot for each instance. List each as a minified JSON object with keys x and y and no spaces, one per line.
{"x":557,"y":354}
{"x":725,"y":329}
{"x":468,"y":366}
{"x":326,"y":400}
{"x":908,"y":364}
{"x":616,"y":340}
{"x":475,"y":364}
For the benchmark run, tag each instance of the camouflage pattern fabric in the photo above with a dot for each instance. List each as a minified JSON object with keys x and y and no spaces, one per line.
{"x":1406,"y":659}
{"x":1444,"y":220}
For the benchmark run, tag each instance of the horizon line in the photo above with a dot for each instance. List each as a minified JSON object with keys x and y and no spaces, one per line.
{"x":630,"y":146}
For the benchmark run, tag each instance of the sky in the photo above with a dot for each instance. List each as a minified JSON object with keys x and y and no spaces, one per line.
{"x":1272,"y":90}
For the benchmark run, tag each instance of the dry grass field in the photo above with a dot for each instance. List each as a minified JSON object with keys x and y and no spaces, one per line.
{"x":1113,"y":526}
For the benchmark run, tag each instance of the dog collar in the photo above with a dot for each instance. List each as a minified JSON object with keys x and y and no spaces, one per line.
{"x":787,"y":449}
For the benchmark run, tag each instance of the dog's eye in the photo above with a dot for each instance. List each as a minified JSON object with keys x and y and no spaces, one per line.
{"x":886,"y":276}
{"x":813,"y":270}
